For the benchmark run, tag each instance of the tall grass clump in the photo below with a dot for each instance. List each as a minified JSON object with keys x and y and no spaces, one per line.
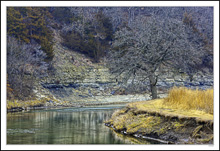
{"x":186,"y":99}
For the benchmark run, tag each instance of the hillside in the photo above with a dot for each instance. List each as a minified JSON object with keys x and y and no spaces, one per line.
{"x":89,"y":54}
{"x":75,"y":80}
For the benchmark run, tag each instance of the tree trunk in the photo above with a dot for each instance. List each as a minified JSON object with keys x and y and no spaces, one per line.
{"x":153,"y":82}
{"x":191,"y":77}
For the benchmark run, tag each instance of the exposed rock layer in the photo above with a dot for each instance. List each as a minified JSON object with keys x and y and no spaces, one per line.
{"x":74,"y":77}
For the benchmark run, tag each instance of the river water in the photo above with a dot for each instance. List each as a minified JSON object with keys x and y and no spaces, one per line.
{"x":83,"y":125}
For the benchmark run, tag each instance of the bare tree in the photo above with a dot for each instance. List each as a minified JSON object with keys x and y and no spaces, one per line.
{"x":149,"y":44}
{"x":25,"y":63}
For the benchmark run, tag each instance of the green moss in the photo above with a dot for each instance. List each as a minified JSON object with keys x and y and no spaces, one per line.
{"x":139,"y":123}
{"x":162,"y":130}
{"x":120,"y":121}
{"x":177,"y":125}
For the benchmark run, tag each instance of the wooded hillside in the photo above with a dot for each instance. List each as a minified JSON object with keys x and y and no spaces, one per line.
{"x":131,"y":40}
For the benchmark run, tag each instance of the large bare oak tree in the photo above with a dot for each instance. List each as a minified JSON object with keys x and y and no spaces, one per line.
{"x":149,"y":43}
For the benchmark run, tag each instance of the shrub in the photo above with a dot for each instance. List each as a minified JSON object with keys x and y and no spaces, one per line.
{"x":25,"y":63}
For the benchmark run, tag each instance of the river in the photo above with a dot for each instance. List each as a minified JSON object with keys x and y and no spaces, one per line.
{"x":65,"y":126}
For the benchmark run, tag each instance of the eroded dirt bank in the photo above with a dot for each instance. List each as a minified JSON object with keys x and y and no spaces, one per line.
{"x":159,"y":127}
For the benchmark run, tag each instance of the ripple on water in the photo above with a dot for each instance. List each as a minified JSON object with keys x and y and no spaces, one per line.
{"x":81,"y":109}
{"x":17,"y":130}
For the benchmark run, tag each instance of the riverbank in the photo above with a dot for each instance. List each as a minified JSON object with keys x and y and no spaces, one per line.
{"x":37,"y":107}
{"x":163,"y":127}
{"x":157,"y":120}
{"x":16,"y":105}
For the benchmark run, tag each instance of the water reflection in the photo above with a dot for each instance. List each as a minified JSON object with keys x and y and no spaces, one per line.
{"x":63,"y":126}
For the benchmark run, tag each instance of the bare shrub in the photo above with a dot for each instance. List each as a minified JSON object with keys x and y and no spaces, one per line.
{"x":25,"y":63}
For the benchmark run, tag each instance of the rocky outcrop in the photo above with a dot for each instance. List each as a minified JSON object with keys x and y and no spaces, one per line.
{"x":171,"y":79}
{"x":77,"y":84}
{"x":74,"y":77}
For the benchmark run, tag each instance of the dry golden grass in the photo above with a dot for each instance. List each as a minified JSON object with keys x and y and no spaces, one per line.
{"x":181,"y":103}
{"x":158,"y":107}
{"x":174,"y":113}
{"x":29,"y":103}
{"x":187,"y":99}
